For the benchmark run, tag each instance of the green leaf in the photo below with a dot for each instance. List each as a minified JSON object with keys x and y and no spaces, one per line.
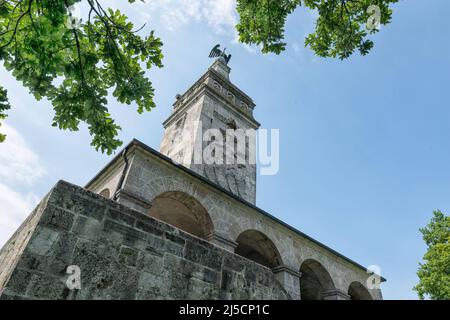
{"x":74,"y":69}
{"x":340,"y":26}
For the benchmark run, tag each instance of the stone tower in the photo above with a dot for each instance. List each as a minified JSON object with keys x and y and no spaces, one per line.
{"x":214,"y":117}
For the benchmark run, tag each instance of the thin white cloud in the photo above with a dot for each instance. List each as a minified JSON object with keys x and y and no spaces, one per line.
{"x":297,"y":47}
{"x":18,"y":163}
{"x":19,"y":168}
{"x":14,"y":208}
{"x":219,"y":15}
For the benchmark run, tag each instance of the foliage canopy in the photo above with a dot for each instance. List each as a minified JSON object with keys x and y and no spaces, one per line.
{"x":75,"y":64}
{"x":434,"y":273}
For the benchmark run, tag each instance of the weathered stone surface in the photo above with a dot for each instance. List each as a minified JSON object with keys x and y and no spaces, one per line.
{"x":148,"y":227}
{"x":121,"y":217}
{"x":58,"y":218}
{"x":212,"y":103}
{"x":208,"y":256}
{"x":149,"y":262}
{"x":87,"y":227}
{"x":119,"y":258}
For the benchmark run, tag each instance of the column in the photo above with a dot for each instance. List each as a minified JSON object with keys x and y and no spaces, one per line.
{"x":290,"y":279}
{"x":335,"y":295}
{"x":221,"y":241}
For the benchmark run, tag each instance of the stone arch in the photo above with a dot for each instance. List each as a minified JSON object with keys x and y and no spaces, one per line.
{"x":357,"y":291}
{"x":183,"y":211}
{"x":241,"y":220}
{"x":169,"y":183}
{"x":315,"y":280}
{"x":105,"y":193}
{"x":256,"y":246}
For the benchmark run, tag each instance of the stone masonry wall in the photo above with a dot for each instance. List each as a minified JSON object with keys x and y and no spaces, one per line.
{"x":13,"y":249}
{"x":123,"y":254}
{"x":149,"y":176}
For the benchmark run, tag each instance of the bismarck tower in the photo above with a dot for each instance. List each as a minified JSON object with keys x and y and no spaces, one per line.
{"x":168,"y":225}
{"x":212,"y":111}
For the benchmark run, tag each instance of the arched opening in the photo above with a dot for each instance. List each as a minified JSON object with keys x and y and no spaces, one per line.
{"x":315,"y":280}
{"x":105,"y":193}
{"x":357,"y":291}
{"x":256,"y":246}
{"x":183,"y":212}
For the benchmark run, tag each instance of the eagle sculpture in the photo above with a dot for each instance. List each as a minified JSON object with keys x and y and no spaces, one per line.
{"x":216,"y":52}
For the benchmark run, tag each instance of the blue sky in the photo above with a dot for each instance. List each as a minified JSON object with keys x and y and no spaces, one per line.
{"x":364,"y":143}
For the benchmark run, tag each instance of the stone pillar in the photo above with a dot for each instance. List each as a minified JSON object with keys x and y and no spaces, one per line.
{"x":335,"y":295}
{"x":133,"y":201}
{"x":290,"y":279}
{"x":221,"y":241}
{"x":376,"y":294}
{"x":221,"y":67}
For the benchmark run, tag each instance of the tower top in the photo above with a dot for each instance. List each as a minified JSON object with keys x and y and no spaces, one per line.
{"x":221,"y":63}
{"x":215,"y":83}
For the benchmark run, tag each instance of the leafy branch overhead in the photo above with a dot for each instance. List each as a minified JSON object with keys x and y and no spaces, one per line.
{"x":341,"y":25}
{"x":4,"y":105}
{"x":74,"y":66}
